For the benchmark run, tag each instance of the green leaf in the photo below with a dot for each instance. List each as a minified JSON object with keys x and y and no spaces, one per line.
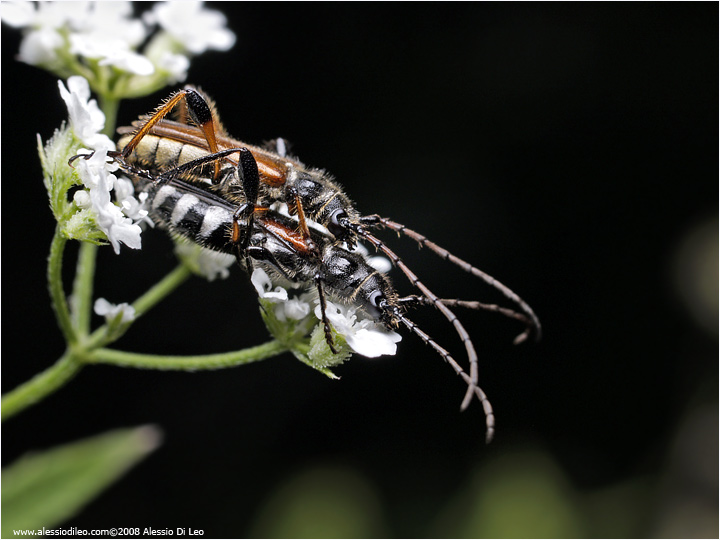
{"x":43,"y":489}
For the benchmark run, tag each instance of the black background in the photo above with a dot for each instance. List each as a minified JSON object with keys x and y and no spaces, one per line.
{"x":565,"y":149}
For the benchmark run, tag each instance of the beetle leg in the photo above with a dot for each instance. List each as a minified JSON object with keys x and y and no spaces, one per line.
{"x":325,"y":321}
{"x":295,"y":204}
{"x":198,"y":110}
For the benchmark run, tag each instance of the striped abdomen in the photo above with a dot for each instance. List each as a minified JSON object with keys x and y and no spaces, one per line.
{"x":160,"y":154}
{"x":193,"y":214}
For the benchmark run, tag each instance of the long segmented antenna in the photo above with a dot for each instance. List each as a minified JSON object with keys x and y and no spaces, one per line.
{"x":445,"y":254}
{"x":449,"y":315}
{"x":474,"y":304}
{"x":486,"y":405}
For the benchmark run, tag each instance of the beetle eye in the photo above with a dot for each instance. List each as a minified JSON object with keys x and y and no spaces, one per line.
{"x":376,"y":298}
{"x":334,"y":225}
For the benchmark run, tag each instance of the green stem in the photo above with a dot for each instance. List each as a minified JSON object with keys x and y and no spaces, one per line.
{"x":70,"y":363}
{"x":148,"y":300}
{"x":187,"y":363}
{"x":40,"y":386}
{"x":109,"y":106}
{"x":57,"y":294}
{"x":81,"y":299}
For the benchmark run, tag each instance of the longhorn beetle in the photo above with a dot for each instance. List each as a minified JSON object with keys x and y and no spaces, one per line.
{"x":195,"y":152}
{"x":194,"y":211}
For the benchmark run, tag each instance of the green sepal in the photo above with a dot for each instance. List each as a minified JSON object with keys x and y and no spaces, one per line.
{"x":306,"y":340}
{"x":59,"y":177}
{"x":320,"y":354}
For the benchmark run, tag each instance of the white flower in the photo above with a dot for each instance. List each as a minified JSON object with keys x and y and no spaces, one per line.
{"x":194,"y":28}
{"x":111,"y":51}
{"x":295,"y":309}
{"x":96,"y":172}
{"x":364,"y":336}
{"x":263,"y":286}
{"x":39,"y":47}
{"x":110,"y":311}
{"x":205,"y":262}
{"x":18,"y":14}
{"x":112,"y":20}
{"x":116,"y":52}
{"x":134,"y":208}
{"x":175,"y":65}
{"x":108,"y":33}
{"x":43,"y":14}
{"x":86,"y":118}
{"x":102,"y":31}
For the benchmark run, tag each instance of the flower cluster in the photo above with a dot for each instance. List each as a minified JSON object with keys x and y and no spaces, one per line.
{"x":92,"y":215}
{"x":363,"y":335}
{"x":101,"y":41}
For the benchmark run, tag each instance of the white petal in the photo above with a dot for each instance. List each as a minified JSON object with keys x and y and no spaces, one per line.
{"x":130,"y":62}
{"x":365,"y":336}
{"x":263,"y":286}
{"x":110,"y":50}
{"x":176,"y":65}
{"x":109,"y":310}
{"x":18,"y":14}
{"x":78,"y":85}
{"x":340,"y":318}
{"x":195,"y":28}
{"x":39,"y":47}
{"x":296,"y":309}
{"x":96,"y":174}
{"x":102,"y":306}
{"x":374,"y":343}
{"x":209,"y":264}
{"x":82,"y":199}
{"x":57,"y":14}
{"x":86,"y":118}
{"x":111,"y":20}
{"x":123,"y":231}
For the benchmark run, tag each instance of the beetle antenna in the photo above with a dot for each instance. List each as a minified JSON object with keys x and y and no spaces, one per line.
{"x":473,"y":388}
{"x":473,"y":304}
{"x":445,"y":254}
{"x":449,"y":315}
